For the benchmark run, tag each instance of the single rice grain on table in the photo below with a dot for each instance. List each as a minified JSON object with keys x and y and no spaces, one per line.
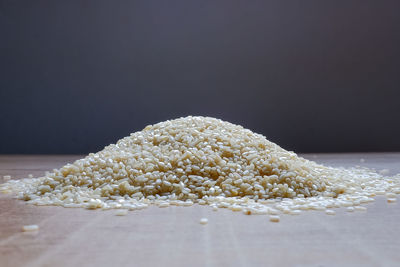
{"x":30,"y":228}
{"x":203,"y":221}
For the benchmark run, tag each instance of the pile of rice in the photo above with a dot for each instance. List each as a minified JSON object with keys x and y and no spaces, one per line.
{"x":206,"y":161}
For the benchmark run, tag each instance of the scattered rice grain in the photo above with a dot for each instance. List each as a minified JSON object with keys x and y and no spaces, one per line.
{"x":330,"y":212}
{"x":121,"y":212}
{"x":360,"y":208}
{"x":203,"y":221}
{"x":350,"y":209}
{"x":30,"y":228}
{"x":274,"y":218}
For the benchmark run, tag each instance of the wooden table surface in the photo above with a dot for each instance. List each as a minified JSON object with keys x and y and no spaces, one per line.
{"x":173,"y":236}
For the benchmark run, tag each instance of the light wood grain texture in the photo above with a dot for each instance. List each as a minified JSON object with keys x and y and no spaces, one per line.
{"x":174,"y":237}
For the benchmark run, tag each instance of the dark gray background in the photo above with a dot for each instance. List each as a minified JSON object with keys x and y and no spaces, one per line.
{"x":313,"y":76}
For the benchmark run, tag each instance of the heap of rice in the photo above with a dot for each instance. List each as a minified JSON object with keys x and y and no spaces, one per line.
{"x":202,"y":160}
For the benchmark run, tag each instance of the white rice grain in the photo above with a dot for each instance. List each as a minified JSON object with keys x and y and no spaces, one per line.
{"x":30,"y":228}
{"x":203,"y":221}
{"x":274,"y":218}
{"x":121,"y":212}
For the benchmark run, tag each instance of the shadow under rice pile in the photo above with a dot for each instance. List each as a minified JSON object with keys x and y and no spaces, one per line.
{"x":206,"y":161}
